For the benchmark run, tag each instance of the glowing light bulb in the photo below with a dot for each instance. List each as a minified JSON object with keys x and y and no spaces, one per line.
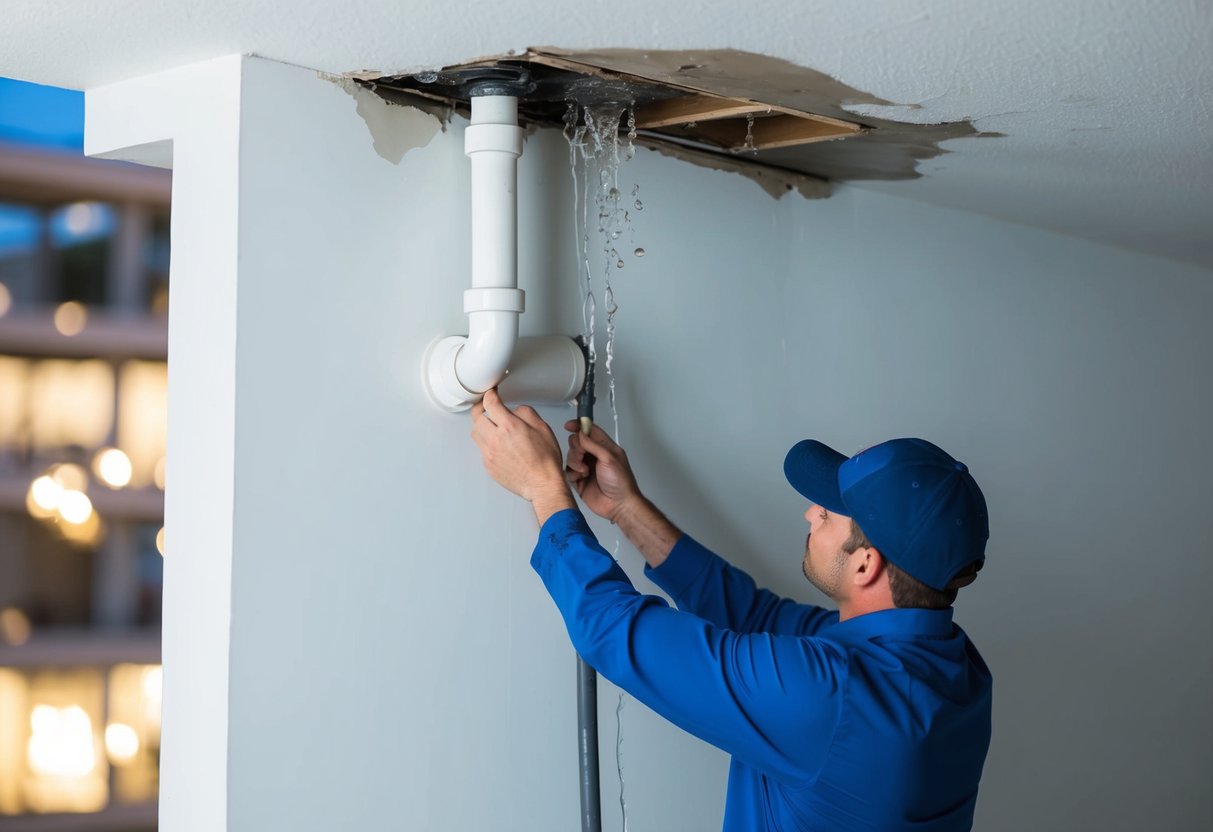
{"x":121,"y":742}
{"x":70,"y":318}
{"x":79,"y":218}
{"x":113,"y":467}
{"x":75,"y":507}
{"x":14,"y":626}
{"x":46,"y":492}
{"x":61,"y":742}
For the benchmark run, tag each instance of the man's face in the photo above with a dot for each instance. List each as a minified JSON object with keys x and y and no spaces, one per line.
{"x":824,"y":561}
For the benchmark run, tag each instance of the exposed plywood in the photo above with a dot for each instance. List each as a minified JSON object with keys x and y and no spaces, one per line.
{"x":709,"y":118}
{"x":693,"y":108}
{"x":756,"y":133}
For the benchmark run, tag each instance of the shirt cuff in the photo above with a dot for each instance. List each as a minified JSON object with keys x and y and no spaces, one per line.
{"x":685,"y":564}
{"x":554,"y":535}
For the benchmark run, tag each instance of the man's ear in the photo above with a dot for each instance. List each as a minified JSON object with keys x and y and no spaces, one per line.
{"x":869,"y":567}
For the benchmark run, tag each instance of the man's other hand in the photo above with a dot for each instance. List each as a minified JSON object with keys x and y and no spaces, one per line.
{"x":599,"y":470}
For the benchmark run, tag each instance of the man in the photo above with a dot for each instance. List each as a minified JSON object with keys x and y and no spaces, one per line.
{"x":874,"y":717}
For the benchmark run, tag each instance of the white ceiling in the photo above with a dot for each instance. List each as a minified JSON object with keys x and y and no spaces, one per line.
{"x":1106,"y":104}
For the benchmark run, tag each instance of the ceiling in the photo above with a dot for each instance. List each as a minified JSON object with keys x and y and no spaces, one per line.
{"x":1105,"y":106}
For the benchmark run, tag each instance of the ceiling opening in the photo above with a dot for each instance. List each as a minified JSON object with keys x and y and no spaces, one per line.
{"x":784,"y":125}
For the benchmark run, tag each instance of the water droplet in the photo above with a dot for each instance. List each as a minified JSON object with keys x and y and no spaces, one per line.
{"x":426,"y":77}
{"x":613,"y":193}
{"x":619,"y":264}
{"x":639,"y":205}
{"x":615,"y":235}
{"x":639,"y":252}
{"x":635,"y":189}
{"x":749,"y":132}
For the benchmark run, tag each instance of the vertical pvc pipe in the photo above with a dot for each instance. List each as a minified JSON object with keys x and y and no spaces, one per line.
{"x":493,"y":143}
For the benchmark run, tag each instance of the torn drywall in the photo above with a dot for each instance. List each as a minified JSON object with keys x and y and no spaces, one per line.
{"x":395,"y":127}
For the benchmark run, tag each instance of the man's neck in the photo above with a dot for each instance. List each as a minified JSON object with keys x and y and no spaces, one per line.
{"x":855,"y":607}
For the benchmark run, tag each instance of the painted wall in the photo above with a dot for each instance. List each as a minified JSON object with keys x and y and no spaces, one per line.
{"x":394,"y":663}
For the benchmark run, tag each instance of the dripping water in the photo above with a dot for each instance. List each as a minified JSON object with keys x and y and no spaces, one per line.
{"x":596,"y":150}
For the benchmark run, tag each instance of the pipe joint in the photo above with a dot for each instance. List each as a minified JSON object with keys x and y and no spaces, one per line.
{"x":493,"y":138}
{"x":494,"y":300}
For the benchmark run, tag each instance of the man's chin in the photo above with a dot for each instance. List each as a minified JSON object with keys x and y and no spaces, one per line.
{"x":825,"y":589}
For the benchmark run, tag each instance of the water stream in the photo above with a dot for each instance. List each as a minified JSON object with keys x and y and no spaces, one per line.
{"x":596,"y":150}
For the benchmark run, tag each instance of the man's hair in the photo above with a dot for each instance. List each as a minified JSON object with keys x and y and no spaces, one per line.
{"x":907,"y":590}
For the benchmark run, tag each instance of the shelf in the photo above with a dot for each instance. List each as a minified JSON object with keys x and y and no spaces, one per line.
{"x":140,"y":505}
{"x":113,"y":819}
{"x":84,"y":648}
{"x":32,"y":333}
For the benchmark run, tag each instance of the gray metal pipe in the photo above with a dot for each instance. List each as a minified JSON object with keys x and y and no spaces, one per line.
{"x":587,"y":742}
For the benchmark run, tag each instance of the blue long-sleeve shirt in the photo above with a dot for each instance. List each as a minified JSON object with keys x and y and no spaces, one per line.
{"x":880,"y":722}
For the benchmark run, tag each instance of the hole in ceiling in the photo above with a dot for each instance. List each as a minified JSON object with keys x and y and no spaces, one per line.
{"x":784,"y":125}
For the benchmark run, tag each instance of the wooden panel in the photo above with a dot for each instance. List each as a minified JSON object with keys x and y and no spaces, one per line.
{"x":768,"y":132}
{"x":693,"y":108}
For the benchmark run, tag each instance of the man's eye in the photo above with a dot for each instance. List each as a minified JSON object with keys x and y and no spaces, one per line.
{"x":823,"y":514}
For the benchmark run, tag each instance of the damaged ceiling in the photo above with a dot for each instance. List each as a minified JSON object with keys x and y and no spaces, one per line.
{"x":780,"y":124}
{"x":1104,"y":107}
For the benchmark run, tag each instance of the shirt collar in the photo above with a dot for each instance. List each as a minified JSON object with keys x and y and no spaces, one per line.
{"x":896,"y":622}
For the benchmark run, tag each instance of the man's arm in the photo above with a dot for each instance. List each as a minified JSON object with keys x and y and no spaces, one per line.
{"x":771,"y":701}
{"x":698,"y":580}
{"x":521,"y":453}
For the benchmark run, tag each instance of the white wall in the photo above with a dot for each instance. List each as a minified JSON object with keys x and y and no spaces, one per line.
{"x":396,"y":664}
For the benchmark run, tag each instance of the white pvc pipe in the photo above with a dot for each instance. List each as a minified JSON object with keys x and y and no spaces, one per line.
{"x":456,"y":371}
{"x":493,"y":143}
{"x":546,"y":368}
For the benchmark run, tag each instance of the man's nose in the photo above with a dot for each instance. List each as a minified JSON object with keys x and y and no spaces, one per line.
{"x":808,"y":514}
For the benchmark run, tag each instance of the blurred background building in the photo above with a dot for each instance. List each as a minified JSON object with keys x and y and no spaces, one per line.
{"x":84,"y":250}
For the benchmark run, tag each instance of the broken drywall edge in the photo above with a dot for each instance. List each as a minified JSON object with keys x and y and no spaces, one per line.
{"x":775,"y":181}
{"x":395,"y":127}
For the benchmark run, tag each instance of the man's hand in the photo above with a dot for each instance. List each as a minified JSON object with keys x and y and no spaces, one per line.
{"x":599,"y":470}
{"x":521,"y":453}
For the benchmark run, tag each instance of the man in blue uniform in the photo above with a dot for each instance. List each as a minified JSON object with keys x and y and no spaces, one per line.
{"x":872,"y":717}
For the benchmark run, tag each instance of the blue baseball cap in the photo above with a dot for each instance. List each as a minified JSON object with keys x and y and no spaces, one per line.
{"x":920,"y":507}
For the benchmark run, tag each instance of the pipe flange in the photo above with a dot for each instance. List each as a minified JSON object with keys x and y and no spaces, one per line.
{"x":475,"y":81}
{"x":438,"y":375}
